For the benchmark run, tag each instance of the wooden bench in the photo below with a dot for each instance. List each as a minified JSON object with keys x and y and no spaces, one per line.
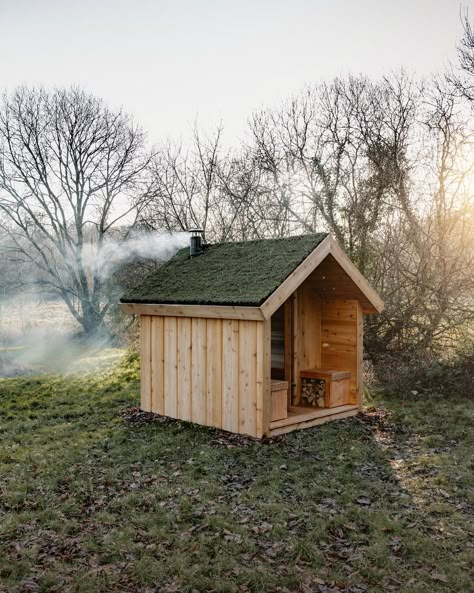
{"x":279,"y":400}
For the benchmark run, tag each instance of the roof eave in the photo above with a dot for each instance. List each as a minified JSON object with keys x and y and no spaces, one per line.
{"x":204,"y":311}
{"x":327,"y":247}
{"x":351,"y":270}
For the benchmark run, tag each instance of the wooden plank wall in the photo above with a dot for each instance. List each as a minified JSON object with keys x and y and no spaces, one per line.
{"x":209,"y":371}
{"x":145,"y":363}
{"x":307,"y":334}
{"x":341,"y":329}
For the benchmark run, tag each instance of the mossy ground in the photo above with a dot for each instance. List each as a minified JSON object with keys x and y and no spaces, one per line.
{"x":91,"y":502}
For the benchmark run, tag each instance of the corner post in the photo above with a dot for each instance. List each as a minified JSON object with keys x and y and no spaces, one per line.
{"x":360,"y":356}
{"x":263,"y":377}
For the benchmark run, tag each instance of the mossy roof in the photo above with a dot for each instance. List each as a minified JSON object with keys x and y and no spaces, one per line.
{"x":242,"y":274}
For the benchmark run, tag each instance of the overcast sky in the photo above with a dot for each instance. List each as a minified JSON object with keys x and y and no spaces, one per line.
{"x":170,"y":62}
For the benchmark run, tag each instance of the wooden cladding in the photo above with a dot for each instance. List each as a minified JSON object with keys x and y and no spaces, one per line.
{"x":327,"y":333}
{"x":306,"y":312}
{"x":209,"y":371}
{"x":341,"y":336}
{"x":212,"y":364}
{"x":330,"y":281}
{"x":332,"y":273}
{"x":278,"y":343}
{"x":217,"y":372}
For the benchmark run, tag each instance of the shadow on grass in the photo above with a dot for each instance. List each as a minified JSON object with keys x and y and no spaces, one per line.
{"x":95,"y":499}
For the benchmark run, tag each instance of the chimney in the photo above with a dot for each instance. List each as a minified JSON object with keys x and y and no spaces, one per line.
{"x":195,"y":246}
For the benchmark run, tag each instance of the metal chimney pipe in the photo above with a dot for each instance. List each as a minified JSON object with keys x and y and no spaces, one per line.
{"x":195,"y":245}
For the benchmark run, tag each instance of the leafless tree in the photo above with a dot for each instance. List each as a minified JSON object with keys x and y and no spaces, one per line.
{"x":71,"y":170}
{"x":384,"y":165}
{"x":185,"y":184}
{"x":462,"y":79}
{"x":424,"y":254}
{"x":334,"y":156}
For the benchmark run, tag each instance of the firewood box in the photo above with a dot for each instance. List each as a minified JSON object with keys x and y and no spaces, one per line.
{"x":323,"y":388}
{"x":279,"y":400}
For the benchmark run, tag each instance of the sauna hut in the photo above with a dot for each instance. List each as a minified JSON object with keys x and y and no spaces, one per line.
{"x":256,"y":337}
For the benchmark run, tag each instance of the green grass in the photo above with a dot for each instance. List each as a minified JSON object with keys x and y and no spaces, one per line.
{"x":92,"y":502}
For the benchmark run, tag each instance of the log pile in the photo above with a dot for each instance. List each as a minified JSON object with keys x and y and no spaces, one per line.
{"x":313,"y":392}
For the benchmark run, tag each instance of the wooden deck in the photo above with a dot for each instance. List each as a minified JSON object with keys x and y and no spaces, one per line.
{"x":304,"y":417}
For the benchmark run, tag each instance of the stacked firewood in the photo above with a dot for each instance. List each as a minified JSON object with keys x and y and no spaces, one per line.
{"x":313,"y":392}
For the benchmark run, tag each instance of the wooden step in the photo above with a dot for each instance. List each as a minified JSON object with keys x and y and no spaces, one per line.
{"x":297,"y":414}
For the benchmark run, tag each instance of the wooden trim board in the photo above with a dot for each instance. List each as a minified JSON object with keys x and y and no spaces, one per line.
{"x":296,"y":278}
{"x":288,"y":287}
{"x":346,"y":264}
{"x":203,"y":311}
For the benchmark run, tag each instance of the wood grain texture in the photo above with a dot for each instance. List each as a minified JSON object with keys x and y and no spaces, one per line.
{"x":339,"y":331}
{"x":214,"y":372}
{"x":289,"y":349}
{"x":198,"y":371}
{"x":360,"y":356}
{"x":333,"y":414}
{"x":279,"y":407}
{"x":329,"y":280}
{"x":157,"y":365}
{"x":145,"y":363}
{"x":288,"y":287}
{"x":295,"y":351}
{"x":230,"y":375}
{"x":202,"y":311}
{"x":210,"y":371}
{"x":170,"y":367}
{"x":184,"y":345}
{"x":217,"y":372}
{"x":247,"y":377}
{"x":346,"y":279}
{"x":263,"y":396}
{"x":309,"y":327}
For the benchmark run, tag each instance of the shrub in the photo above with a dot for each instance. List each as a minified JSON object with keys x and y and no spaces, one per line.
{"x":427,"y":374}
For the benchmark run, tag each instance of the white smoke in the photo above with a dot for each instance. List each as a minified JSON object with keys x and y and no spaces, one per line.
{"x":40,"y":335}
{"x":105,"y":258}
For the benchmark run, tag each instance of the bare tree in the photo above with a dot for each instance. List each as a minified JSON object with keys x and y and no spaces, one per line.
{"x":385,"y":166}
{"x":424,"y":253}
{"x":334,"y":157}
{"x":185,"y":184}
{"x":71,"y":170}
{"x":463,"y":79}
{"x":207,"y":187}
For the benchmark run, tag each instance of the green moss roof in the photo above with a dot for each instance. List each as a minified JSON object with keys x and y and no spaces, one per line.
{"x":244,"y":273}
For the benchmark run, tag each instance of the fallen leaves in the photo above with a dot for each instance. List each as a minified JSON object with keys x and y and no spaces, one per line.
{"x":130,"y":502}
{"x":437,"y":576}
{"x":262,"y":527}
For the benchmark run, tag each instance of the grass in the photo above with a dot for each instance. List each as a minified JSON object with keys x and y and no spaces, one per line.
{"x":92,"y":500}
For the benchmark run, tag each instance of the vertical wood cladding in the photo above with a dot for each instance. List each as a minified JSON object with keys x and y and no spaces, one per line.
{"x":209,"y":371}
{"x":341,"y":335}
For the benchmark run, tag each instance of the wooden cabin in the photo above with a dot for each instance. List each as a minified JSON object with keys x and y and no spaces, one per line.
{"x":255,"y":337}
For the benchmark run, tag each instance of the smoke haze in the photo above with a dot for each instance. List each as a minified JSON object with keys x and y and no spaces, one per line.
{"x":41,"y":335}
{"x":111,"y":254}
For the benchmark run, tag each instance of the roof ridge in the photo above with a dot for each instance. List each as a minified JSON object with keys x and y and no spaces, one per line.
{"x":247,"y":241}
